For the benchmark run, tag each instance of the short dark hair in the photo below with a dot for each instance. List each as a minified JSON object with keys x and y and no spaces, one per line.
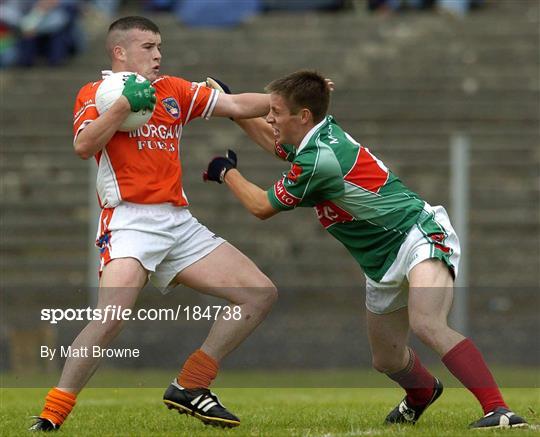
{"x":134,"y":22}
{"x":303,"y":89}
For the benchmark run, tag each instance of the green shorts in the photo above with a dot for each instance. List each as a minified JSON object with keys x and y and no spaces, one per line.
{"x":431,"y":237}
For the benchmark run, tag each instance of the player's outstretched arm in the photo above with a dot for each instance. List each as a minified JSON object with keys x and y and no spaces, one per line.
{"x":223,"y":169}
{"x":247,"y":105}
{"x":250,"y":195}
{"x":238,"y":106}
{"x":257,"y":129}
{"x":260,"y":133}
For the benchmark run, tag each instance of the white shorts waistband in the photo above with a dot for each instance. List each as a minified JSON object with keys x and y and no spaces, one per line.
{"x":153,"y":207}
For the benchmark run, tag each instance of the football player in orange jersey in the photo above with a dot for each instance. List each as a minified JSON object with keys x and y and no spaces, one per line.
{"x":145,"y":229}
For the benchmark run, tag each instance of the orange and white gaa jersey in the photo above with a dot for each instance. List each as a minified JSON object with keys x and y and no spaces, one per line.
{"x":143,"y":166}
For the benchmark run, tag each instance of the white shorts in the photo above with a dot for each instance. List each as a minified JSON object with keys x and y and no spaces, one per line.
{"x":431,"y":237}
{"x":164,"y":238}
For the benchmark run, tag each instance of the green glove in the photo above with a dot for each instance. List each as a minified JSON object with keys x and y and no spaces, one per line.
{"x":140,"y":95}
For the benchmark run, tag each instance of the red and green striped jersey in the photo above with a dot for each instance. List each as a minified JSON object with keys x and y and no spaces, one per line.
{"x":356,"y":197}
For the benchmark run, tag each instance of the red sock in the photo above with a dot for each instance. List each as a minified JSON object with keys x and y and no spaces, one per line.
{"x":466,"y":363}
{"x":199,"y":370}
{"x":416,"y":380}
{"x":58,"y":404}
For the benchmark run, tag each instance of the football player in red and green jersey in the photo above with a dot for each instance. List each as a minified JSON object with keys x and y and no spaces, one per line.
{"x":407,"y":248}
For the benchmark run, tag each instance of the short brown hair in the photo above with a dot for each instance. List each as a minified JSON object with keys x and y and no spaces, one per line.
{"x":134,"y":22}
{"x":303,"y":89}
{"x":118,"y":30}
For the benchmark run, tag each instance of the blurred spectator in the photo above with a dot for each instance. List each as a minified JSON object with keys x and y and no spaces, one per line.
{"x":46,"y":28}
{"x":455,"y":7}
{"x":303,"y":5}
{"x":458,"y":8}
{"x":160,"y":5}
{"x":399,"y":5}
{"x":8,"y":48}
{"x":8,"y":34}
{"x":225,"y":13}
{"x":109,"y":8}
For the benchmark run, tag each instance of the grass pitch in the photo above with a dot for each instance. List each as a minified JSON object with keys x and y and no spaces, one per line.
{"x":280,"y":412}
{"x":350,"y":402}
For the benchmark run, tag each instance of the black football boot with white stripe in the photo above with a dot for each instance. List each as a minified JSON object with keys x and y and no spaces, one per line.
{"x":42,"y":424}
{"x":200,"y":403}
{"x":500,"y":418}
{"x":405,"y":413}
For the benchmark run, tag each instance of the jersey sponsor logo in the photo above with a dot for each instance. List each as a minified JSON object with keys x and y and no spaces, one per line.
{"x":284,"y":196}
{"x":171,"y":106}
{"x":294,"y":172}
{"x":161,"y":137}
{"x":329,"y":213}
{"x":156,"y":145}
{"x":162,"y":131}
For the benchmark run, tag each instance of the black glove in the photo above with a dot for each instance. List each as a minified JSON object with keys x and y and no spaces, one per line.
{"x":212,"y":82}
{"x":219,"y":166}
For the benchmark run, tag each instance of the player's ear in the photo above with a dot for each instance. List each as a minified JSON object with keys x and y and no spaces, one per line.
{"x":119,"y":53}
{"x":305,"y":115}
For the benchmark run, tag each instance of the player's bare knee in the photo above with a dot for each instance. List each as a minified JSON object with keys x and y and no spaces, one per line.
{"x":271,"y":296}
{"x":264,"y":298}
{"x":264,"y":281}
{"x":378,"y":365}
{"x":427,"y":329}
{"x":261,"y":291}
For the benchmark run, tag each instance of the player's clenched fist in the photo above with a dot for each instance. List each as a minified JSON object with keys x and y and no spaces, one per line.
{"x":219,"y":166}
{"x":217,"y":84}
{"x":140,"y":95}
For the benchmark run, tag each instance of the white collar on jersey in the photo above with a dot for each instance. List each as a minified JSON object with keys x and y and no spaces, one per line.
{"x":105,"y":73}
{"x":310,"y":134}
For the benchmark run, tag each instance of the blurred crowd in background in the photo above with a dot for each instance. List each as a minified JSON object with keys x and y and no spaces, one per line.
{"x":52,"y":31}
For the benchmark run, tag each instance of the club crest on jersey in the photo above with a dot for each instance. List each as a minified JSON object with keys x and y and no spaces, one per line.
{"x":294,"y":172}
{"x":171,"y":106}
